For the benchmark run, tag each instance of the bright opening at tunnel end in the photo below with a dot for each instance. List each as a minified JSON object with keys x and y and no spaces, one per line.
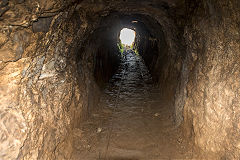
{"x":127,"y":36}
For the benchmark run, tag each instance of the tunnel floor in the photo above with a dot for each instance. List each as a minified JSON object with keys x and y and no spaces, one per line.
{"x":133,"y":121}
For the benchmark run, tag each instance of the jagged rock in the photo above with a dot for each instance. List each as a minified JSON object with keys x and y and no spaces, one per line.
{"x":55,"y":56}
{"x":42,"y":25}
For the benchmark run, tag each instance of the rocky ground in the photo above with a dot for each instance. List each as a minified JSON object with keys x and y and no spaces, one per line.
{"x":134,"y":122}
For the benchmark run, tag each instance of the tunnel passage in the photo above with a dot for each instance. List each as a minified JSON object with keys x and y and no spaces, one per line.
{"x":56,"y":58}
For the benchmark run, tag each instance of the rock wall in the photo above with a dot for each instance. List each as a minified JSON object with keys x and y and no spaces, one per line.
{"x":52,"y":57}
{"x":162,"y":54}
{"x":44,"y":94}
{"x":209,"y":87}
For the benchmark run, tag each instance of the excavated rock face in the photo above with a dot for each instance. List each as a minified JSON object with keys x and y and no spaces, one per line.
{"x":41,"y":96}
{"x":209,"y":86}
{"x":55,"y":56}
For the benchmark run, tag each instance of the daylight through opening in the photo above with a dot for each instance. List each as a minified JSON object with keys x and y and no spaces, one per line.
{"x":127,"y":36}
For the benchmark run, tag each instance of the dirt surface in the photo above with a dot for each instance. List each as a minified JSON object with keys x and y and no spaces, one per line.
{"x":134,"y":122}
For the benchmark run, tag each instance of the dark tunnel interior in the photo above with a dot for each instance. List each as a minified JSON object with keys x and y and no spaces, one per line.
{"x":70,"y":89}
{"x":107,"y":57}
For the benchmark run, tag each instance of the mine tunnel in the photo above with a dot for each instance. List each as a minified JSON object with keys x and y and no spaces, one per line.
{"x":71,"y":89}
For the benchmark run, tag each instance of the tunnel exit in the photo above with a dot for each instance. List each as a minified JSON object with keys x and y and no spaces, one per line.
{"x":127,"y":36}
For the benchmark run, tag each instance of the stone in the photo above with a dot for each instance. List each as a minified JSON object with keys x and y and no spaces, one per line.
{"x":13,"y":125}
{"x":42,"y":25}
{"x":3,"y":7}
{"x":56,"y":56}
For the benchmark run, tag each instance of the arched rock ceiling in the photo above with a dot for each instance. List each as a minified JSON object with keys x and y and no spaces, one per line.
{"x":24,"y":12}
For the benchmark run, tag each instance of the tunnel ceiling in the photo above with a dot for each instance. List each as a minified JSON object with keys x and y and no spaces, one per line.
{"x":11,"y":11}
{"x":139,"y":22}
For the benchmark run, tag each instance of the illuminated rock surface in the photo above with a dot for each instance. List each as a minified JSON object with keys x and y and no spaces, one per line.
{"x":57,"y":57}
